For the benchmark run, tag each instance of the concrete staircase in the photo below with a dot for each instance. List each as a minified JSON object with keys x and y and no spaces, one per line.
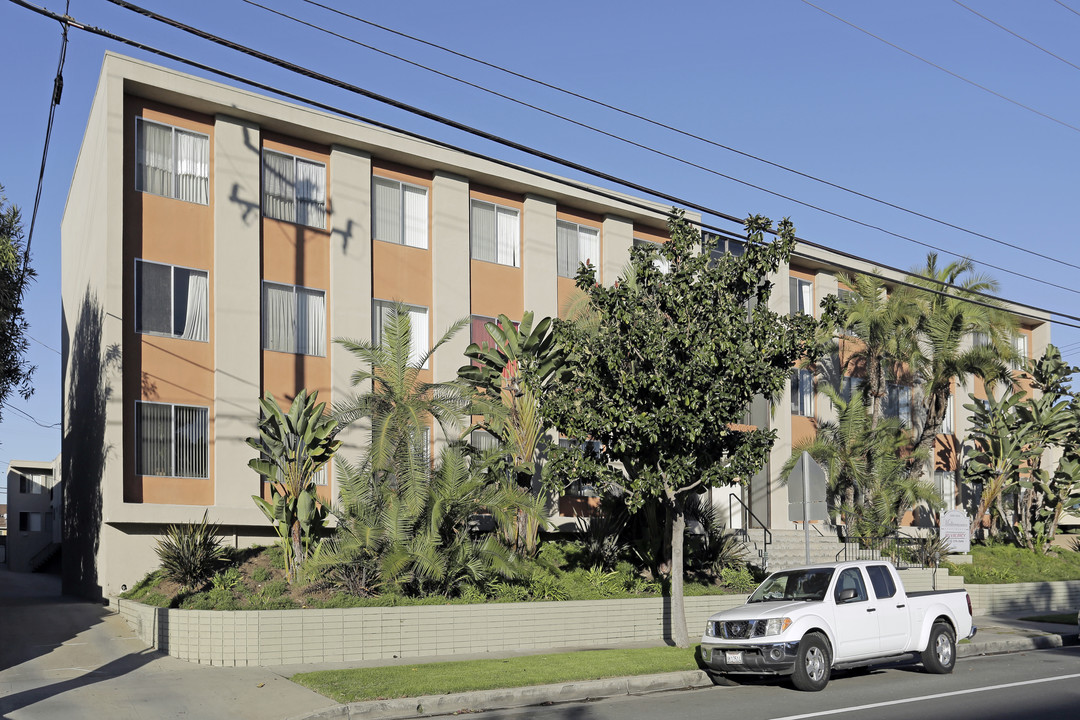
{"x":788,"y":547}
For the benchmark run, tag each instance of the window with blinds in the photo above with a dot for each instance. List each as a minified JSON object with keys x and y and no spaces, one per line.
{"x":293,"y":319}
{"x":172,"y":162}
{"x":382,"y":313}
{"x":495,"y":233}
{"x":574,"y":245}
{"x":898,"y":403}
{"x":171,"y":301}
{"x":294,"y":189}
{"x":400,"y":212}
{"x":171,"y":440}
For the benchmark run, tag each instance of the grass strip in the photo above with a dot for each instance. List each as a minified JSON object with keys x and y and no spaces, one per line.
{"x":397,"y":681}
{"x":1062,"y":618}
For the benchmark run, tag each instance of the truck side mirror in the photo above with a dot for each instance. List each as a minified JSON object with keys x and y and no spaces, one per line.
{"x":847,"y":595}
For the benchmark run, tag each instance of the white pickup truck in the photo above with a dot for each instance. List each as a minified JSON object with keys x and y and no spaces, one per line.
{"x":805,"y":622}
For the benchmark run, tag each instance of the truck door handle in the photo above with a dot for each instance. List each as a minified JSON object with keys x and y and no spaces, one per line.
{"x":901,"y":606}
{"x":871,"y":609}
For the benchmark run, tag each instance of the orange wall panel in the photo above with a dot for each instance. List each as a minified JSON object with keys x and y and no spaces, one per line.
{"x":802,"y":429}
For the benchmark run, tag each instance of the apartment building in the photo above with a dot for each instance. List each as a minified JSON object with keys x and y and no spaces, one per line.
{"x":35,"y":496}
{"x":216,"y":241}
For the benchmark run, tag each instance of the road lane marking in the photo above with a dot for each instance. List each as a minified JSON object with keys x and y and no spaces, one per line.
{"x":928,"y":697}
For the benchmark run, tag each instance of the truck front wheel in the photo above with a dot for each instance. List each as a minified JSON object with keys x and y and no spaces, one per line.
{"x":939,"y":657}
{"x":813,"y":664}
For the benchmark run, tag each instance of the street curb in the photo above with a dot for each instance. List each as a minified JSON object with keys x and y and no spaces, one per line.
{"x":428,"y":705}
{"x":510,"y":697}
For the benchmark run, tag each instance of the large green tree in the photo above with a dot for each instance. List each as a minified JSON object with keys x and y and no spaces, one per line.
{"x":662,"y":383}
{"x":15,"y":371}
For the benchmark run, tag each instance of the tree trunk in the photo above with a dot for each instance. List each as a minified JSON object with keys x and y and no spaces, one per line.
{"x":679,"y":634}
{"x":875,"y":384}
{"x":298,"y":552}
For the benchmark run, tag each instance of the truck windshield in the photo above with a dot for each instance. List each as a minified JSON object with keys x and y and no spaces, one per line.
{"x":808,"y":584}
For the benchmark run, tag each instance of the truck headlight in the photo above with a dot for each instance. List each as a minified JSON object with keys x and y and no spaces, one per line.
{"x":777,"y":625}
{"x":712,"y":629}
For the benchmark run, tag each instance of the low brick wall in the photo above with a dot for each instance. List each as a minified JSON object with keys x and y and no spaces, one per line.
{"x":278,"y":637}
{"x":1025,"y":597}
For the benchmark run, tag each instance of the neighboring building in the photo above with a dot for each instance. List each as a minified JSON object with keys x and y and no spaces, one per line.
{"x":35,"y":499}
{"x":215,"y":241}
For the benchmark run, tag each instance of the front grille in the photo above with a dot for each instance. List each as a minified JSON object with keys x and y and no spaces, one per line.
{"x":741,"y":629}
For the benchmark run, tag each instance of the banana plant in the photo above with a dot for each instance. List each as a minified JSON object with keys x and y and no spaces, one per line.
{"x":292,"y":448}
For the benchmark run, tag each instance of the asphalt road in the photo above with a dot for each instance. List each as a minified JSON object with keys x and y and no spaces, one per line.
{"x":1029,"y":686}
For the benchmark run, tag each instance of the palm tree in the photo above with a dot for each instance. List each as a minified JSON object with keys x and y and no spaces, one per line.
{"x":399,"y":405}
{"x":881,"y":325}
{"x":945,"y":317}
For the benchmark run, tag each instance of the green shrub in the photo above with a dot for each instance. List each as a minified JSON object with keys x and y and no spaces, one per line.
{"x":472,"y":594}
{"x":552,"y":554}
{"x":190,"y":553}
{"x":509,"y":592}
{"x":738,"y":579}
{"x":545,"y":586}
{"x":228,"y":579}
{"x":276,"y":555}
{"x":274,"y":589}
{"x":261,"y":574}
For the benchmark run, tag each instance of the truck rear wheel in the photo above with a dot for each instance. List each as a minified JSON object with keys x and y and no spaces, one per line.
{"x":813,"y":664}
{"x":939,"y":657}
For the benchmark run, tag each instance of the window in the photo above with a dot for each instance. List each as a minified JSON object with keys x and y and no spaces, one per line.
{"x":801,"y":296}
{"x":293,"y":319}
{"x":802,"y":393}
{"x":947,"y":426}
{"x":34,"y":483}
{"x":381,"y":313}
{"x":945,"y":484}
{"x":321,"y":477}
{"x":980,"y":339}
{"x":721,"y":245}
{"x":171,"y":301}
{"x":881,"y":579}
{"x":483,"y":441}
{"x":848,"y":386}
{"x":172,"y":162}
{"x":29,"y":522}
{"x":495,"y":233}
{"x":1020,"y":342}
{"x":851,"y":579}
{"x":294,"y":189}
{"x":898,"y":403}
{"x":660,"y":263}
{"x":401,"y":213}
{"x":575,"y":244}
{"x":171,"y":440}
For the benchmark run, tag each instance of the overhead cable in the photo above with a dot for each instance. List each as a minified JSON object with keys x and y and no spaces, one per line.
{"x":548,"y":176}
{"x":1018,"y":36}
{"x":945,"y":70}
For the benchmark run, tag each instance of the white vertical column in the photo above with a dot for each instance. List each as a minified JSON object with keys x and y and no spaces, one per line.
{"x":618,"y":239}
{"x":539,"y":261}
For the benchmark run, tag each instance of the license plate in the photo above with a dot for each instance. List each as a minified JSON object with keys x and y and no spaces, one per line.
{"x":732,"y":657}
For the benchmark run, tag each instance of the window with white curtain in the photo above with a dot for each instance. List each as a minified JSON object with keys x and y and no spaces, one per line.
{"x":495,"y":233}
{"x":293,"y":319}
{"x":947,"y":426}
{"x":381,"y":313}
{"x":294,"y":189}
{"x":171,"y":440}
{"x":575,"y":244}
{"x":801,"y":296}
{"x":1020,"y":342}
{"x":802,"y":393}
{"x":400,"y":212}
{"x":171,"y":300}
{"x":660,"y":263}
{"x":172,"y":162}
{"x":945,"y":484}
{"x":848,"y":386}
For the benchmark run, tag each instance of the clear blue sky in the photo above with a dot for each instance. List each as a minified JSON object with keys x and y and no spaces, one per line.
{"x":775,"y":78}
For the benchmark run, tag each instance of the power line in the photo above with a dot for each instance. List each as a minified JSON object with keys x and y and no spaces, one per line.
{"x":321,"y":77}
{"x":640,"y":117}
{"x":1018,"y":36}
{"x":538,"y":173}
{"x":1074,"y":12}
{"x":30,"y":417}
{"x":932,"y":64}
{"x":58,"y":89}
{"x":47,"y":347}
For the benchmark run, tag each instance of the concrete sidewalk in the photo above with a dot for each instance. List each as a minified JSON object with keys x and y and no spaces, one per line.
{"x":996,"y":634}
{"x":60,"y":657}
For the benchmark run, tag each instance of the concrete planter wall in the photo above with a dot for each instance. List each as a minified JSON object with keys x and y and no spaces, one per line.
{"x":1036,"y":597}
{"x":278,"y":637}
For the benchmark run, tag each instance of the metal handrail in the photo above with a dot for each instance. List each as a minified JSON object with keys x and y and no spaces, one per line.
{"x":904,"y":551}
{"x":766,"y":537}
